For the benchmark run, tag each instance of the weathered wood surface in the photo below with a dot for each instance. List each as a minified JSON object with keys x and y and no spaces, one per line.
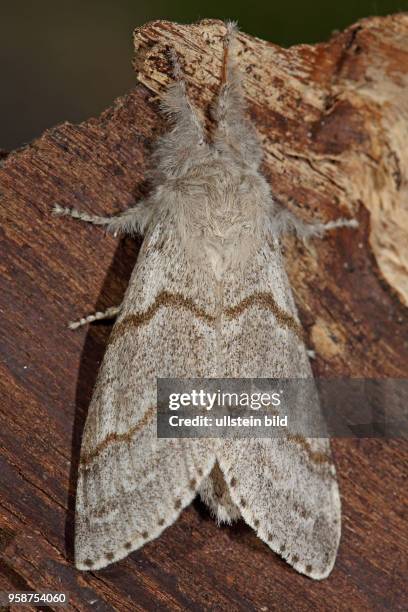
{"x":333,"y":119}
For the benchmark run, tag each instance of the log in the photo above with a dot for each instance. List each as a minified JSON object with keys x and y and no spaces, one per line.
{"x":333,"y":121}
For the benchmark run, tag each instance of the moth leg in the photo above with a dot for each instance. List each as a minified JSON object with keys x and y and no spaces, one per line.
{"x":235,"y":135}
{"x":319,"y":229}
{"x":285,"y":221}
{"x":131,"y":221}
{"x":110,"y":313}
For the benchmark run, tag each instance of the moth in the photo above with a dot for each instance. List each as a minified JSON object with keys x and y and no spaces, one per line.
{"x":208,"y":297}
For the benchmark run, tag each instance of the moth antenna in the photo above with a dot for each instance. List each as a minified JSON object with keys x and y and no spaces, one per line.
{"x":176,"y":66}
{"x":187,"y":128}
{"x":234,"y":134}
{"x":229,"y":37}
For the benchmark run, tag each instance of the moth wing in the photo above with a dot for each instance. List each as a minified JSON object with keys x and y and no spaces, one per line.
{"x":292,"y":504}
{"x":131,"y":484}
{"x":285,"y":488}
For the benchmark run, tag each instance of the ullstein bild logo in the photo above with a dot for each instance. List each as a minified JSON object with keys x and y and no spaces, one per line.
{"x":260,"y":407}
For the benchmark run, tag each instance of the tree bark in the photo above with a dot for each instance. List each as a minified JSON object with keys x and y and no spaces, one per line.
{"x":333,"y":122}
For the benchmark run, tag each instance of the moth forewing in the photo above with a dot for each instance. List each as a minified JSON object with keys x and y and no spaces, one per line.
{"x":132,"y":485}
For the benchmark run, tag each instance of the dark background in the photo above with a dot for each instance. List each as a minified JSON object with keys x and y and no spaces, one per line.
{"x":68,"y":60}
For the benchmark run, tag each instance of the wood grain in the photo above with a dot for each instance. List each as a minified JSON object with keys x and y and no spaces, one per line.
{"x":333,"y":119}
